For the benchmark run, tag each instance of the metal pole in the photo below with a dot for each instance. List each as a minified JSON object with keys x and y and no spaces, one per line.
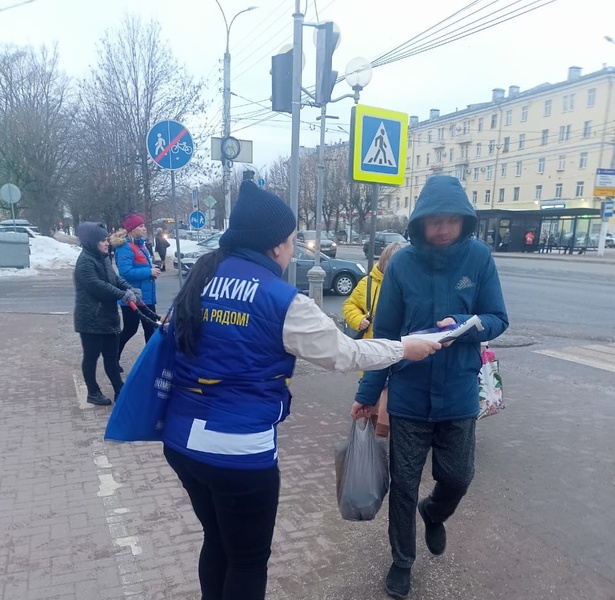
{"x":226,"y":164}
{"x":375,"y":191}
{"x":316,"y":275}
{"x":296,"y":123}
{"x":174,"y":200}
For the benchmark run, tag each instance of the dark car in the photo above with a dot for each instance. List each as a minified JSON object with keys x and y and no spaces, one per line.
{"x":382,"y":239}
{"x":327,"y":245}
{"x":341,"y":276}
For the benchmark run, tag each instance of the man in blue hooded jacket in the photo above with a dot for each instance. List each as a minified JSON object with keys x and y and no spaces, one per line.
{"x":445,"y":276}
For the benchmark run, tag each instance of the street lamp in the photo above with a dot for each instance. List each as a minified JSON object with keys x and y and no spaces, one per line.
{"x":227,"y":157}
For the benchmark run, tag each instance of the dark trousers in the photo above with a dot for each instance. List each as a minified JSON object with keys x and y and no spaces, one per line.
{"x":237,"y":509}
{"x":452,"y":444}
{"x":131,"y":319}
{"x":95,"y":344}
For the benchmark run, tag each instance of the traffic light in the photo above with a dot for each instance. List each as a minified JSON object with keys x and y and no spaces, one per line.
{"x":282,"y":82}
{"x":326,"y":42}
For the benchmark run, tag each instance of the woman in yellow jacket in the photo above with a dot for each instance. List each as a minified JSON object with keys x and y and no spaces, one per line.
{"x":359,"y":317}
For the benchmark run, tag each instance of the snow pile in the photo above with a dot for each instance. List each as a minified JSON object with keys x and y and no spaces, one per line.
{"x":46,"y":254}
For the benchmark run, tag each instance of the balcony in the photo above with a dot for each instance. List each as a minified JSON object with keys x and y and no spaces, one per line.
{"x":438,"y":144}
{"x":464,"y":138}
{"x":436,"y":166}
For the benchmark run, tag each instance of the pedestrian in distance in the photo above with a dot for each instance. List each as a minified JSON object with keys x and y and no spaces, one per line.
{"x":433,"y":403}
{"x":134,"y":263}
{"x":551,"y":243}
{"x":161,"y":247}
{"x":360,"y":317}
{"x":97,"y":291}
{"x":505,"y":243}
{"x":529,"y":242}
{"x":542,"y":245}
{"x":239,"y":328}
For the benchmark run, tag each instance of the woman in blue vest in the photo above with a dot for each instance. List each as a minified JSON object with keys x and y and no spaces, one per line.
{"x":239,"y":328}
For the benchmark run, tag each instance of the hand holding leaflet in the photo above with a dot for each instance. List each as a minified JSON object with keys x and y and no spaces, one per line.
{"x":447,"y":333}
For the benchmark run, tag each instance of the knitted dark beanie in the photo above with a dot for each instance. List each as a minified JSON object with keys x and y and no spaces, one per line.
{"x":259,"y":220}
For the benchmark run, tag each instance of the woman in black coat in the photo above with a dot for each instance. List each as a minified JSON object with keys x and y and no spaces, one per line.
{"x":97,"y":290}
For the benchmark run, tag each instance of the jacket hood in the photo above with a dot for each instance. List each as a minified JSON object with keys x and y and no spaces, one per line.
{"x":118,"y":238}
{"x":89,"y":234}
{"x":376,"y":274}
{"x":441,"y":195}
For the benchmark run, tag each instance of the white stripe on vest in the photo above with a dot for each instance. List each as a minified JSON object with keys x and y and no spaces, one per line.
{"x":216,"y":442}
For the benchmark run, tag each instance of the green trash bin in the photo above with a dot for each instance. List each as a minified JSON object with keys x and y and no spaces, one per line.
{"x":14,"y":250}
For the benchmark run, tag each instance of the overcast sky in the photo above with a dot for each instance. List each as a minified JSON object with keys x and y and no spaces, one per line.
{"x":534,"y":48}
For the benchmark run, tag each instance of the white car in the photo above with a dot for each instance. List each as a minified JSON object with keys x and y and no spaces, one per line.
{"x":192,"y":251}
{"x":20,"y":229}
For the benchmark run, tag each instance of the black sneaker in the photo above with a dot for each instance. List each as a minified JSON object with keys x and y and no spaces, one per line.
{"x":99,"y":399}
{"x":398,"y":582}
{"x":435,"y":533}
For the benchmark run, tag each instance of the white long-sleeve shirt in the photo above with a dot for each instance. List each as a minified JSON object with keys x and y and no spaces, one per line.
{"x":310,"y":334}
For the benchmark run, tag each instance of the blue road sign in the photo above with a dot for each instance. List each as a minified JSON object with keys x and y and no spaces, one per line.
{"x":170,"y":145}
{"x":261,"y":182}
{"x":608,"y":209}
{"x":197,"y":219}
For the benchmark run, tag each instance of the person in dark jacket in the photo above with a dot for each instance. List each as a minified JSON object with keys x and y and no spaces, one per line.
{"x":161,"y":247}
{"x":445,"y":276}
{"x":96,"y":318}
{"x":134,"y":263}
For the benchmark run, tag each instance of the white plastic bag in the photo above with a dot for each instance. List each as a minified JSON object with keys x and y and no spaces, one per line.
{"x":362,"y":473}
{"x":490,"y":386}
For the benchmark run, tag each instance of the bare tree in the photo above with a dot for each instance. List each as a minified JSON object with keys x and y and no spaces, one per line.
{"x":37,"y":134}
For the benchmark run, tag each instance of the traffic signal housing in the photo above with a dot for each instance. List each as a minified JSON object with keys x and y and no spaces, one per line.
{"x":326,"y":42}
{"x":282,"y":82}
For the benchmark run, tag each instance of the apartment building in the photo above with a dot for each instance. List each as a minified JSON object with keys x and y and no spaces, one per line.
{"x":523,"y":150}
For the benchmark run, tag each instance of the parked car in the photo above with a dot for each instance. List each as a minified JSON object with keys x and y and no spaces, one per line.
{"x":20,"y":229}
{"x":341,"y":235}
{"x":609,"y":242}
{"x":341,"y":276}
{"x":191,"y":251}
{"x":327,"y":245}
{"x":382,"y":239}
{"x":22,"y":222}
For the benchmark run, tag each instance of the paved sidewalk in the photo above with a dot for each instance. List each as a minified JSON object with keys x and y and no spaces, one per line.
{"x":84,"y":519}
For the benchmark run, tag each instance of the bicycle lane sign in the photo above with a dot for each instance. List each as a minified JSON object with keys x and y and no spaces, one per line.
{"x":170,"y":145}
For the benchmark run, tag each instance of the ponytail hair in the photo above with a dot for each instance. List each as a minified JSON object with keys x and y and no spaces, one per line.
{"x":187,"y":312}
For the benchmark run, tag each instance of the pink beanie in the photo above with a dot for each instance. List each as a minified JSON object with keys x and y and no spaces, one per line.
{"x":132,"y":220}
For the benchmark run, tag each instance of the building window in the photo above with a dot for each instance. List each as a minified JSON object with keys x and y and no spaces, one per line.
{"x":506,"y":147}
{"x":501,"y":195}
{"x":479,"y":148}
{"x":561,"y":162}
{"x":503,"y":169}
{"x":406,"y":201}
{"x":416,"y":180}
{"x":474,"y":197}
{"x":524,"y":114}
{"x":451,"y":154}
{"x":559,"y":188}
{"x":487,"y":196}
{"x":564,"y":133}
{"x":538,"y":192}
{"x":476,"y":171}
{"x":419,"y":138}
{"x":568,"y":104}
{"x":441,"y":133}
{"x":427,"y":159}
{"x":516,"y":192}
{"x":521,"y":141}
{"x":583,"y":160}
{"x":429,"y":136}
{"x":451,"y":130}
{"x":491,"y":146}
{"x":494,"y":120}
{"x":591,"y":97}
{"x":481,"y":122}
{"x":587,"y":129}
{"x":547,"y":112}
{"x":580,"y":187}
{"x":418,"y":160}
{"x":439,"y":156}
{"x":489,"y":174}
{"x":508,"y":117}
{"x":545,"y":137}
{"x":519,"y":170}
{"x":541,"y":165}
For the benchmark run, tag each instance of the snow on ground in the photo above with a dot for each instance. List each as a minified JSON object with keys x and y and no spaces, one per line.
{"x":48,"y":254}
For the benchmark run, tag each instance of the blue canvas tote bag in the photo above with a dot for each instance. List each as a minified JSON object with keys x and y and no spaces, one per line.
{"x":138,"y":414}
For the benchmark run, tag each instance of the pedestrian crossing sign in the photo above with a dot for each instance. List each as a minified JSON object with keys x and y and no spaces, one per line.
{"x":378,"y":144}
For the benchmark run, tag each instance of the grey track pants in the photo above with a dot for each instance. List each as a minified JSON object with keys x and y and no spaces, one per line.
{"x":452,"y":444}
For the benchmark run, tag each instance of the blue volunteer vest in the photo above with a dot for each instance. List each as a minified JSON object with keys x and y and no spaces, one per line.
{"x":228,"y":399}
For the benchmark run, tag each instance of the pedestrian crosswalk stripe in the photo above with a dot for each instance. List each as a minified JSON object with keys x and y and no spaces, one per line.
{"x":597,"y":356}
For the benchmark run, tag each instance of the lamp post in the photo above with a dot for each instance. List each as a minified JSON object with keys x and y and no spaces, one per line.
{"x":226,"y":114}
